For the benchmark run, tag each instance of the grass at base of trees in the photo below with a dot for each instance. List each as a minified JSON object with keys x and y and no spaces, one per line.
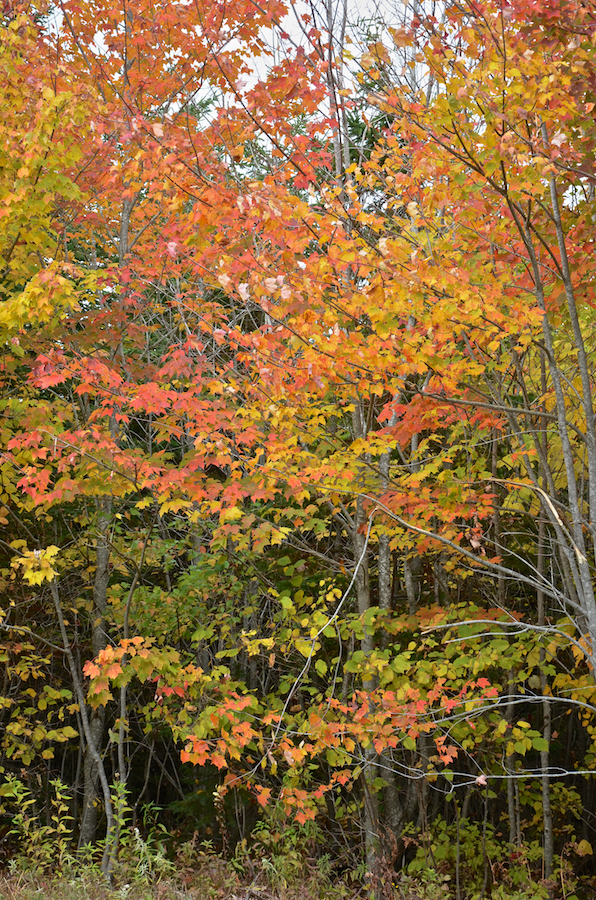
{"x":204,"y":884}
{"x":210,"y":877}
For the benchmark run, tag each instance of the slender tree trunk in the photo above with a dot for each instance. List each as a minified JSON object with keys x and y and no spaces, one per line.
{"x":371,"y":810}
{"x":547,"y":817}
{"x":394,"y":812}
{"x":360,"y":552}
{"x":497,"y":522}
{"x":94,"y":738}
{"x":572,"y":543}
{"x":92,"y":749}
{"x":582,"y":356}
{"x":512,"y":787}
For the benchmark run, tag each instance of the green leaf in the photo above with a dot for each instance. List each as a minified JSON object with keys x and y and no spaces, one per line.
{"x":321,"y":666}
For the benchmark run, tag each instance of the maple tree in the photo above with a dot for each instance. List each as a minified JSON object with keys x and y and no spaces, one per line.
{"x":298,"y":448}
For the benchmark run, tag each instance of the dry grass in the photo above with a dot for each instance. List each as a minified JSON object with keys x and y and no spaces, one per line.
{"x":208,"y":878}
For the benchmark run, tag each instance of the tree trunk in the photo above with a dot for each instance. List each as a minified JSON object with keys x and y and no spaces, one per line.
{"x":360,"y":551}
{"x":91,"y":748}
{"x":512,"y":787}
{"x":97,"y":716}
{"x":547,"y":817}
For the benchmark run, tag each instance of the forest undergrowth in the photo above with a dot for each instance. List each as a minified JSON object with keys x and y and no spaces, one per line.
{"x":280,"y":860}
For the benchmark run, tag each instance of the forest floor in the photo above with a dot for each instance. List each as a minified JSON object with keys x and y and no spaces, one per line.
{"x":210,"y":878}
{"x":56,"y":887}
{"x":213,"y":879}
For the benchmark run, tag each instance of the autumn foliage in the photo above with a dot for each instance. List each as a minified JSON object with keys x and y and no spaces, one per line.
{"x":298,"y":446}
